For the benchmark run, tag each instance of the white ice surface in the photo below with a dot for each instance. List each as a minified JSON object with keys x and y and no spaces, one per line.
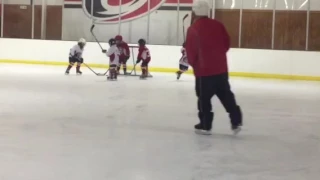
{"x":57,"y":127}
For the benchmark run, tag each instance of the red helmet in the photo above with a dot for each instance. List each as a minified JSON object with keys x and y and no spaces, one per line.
{"x":118,"y":38}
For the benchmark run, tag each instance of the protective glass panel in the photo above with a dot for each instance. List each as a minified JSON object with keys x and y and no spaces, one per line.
{"x":163,"y":24}
{"x":314,"y":5}
{"x":52,"y":21}
{"x":257,"y":18}
{"x":1,"y":19}
{"x":78,"y":17}
{"x":134,"y":22}
{"x":290,"y":25}
{"x":314,"y":26}
{"x":17,"y":19}
{"x":228,"y":4}
{"x":292,"y":5}
{"x":259,"y":4}
{"x":37,"y":15}
{"x":228,"y":12}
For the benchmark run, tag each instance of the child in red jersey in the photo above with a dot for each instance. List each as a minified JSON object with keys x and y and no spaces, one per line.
{"x":144,"y":56}
{"x":124,"y":53}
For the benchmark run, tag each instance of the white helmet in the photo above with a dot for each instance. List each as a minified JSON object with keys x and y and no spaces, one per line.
{"x":82,"y":41}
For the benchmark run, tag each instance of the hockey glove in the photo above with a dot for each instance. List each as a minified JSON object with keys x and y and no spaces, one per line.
{"x":81,"y":60}
{"x":138,"y":61}
{"x":104,"y":51}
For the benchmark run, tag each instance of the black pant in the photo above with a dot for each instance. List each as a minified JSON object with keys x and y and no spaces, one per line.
{"x":74,"y":60}
{"x":206,"y":88}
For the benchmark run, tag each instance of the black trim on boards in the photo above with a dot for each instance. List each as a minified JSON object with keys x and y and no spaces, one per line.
{"x":162,"y":8}
{"x":73,"y":6}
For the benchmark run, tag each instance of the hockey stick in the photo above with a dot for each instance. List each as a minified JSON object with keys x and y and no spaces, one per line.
{"x":98,"y":74}
{"x":184,"y":33}
{"x":134,"y":67}
{"x":91,"y":30}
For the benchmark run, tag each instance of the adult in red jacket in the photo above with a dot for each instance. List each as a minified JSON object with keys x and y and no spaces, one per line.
{"x":207,"y":44}
{"x":124,"y":53}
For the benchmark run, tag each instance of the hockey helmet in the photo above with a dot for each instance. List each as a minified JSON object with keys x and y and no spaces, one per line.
{"x":82,"y":42}
{"x":142,"y":42}
{"x":112,"y":41}
{"x":118,"y":38}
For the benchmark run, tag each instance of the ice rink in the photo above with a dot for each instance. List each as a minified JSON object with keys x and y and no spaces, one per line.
{"x":57,"y":127}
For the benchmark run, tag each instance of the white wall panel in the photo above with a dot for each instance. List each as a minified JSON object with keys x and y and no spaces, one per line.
{"x":301,"y":5}
{"x":258,"y":4}
{"x":301,"y":63}
{"x":228,"y":4}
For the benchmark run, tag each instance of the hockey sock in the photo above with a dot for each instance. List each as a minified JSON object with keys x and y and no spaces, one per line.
{"x":144,"y":71}
{"x":125,"y":69}
{"x":78,"y":68}
{"x":69,"y":67}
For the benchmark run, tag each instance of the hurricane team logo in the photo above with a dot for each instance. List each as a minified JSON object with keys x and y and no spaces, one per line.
{"x":111,"y":11}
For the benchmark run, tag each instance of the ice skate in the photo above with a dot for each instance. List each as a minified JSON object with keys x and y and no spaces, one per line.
{"x":143,"y":77}
{"x":198,"y":128}
{"x":79,"y":73}
{"x":178,"y":75}
{"x":203,"y":132}
{"x":67,"y":73}
{"x":111,"y":78}
{"x":236,"y":129}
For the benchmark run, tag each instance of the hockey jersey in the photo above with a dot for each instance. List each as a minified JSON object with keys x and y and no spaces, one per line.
{"x":124,"y":50}
{"x":184,"y":59}
{"x":144,"y":54}
{"x":113,"y":54}
{"x":76,"y":52}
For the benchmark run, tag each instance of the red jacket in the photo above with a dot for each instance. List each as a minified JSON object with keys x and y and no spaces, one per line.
{"x":207,"y":45}
{"x":124,"y":50}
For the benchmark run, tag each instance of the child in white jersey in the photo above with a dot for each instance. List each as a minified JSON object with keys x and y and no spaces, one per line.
{"x":113,"y":53}
{"x":183,"y":62}
{"x":75,"y":56}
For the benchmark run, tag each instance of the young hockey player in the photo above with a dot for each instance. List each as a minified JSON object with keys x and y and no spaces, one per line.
{"x":124,"y":53}
{"x":183,"y":63}
{"x":113,"y":54}
{"x":75,"y":56}
{"x":144,"y":56}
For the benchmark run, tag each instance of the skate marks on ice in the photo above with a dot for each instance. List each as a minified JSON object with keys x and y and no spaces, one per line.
{"x":53,"y":127}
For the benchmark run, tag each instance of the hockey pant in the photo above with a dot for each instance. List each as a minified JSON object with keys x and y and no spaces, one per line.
{"x":123,"y":62}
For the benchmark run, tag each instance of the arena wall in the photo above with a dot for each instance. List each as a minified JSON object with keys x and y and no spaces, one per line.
{"x":294,"y":65}
{"x":257,"y":24}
